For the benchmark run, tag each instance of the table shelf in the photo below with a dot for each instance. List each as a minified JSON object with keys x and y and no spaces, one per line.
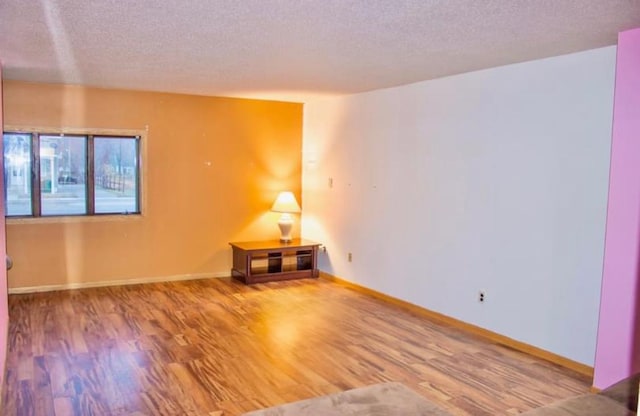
{"x":265,"y":261}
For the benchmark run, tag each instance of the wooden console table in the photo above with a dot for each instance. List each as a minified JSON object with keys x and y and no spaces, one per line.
{"x":266,"y":261}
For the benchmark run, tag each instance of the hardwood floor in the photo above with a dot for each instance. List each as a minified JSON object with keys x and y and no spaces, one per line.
{"x":217,"y":347}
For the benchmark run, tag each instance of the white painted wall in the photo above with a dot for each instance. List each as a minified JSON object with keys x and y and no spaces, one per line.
{"x":492,"y":180}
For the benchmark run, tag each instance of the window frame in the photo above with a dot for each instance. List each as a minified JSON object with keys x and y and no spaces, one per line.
{"x":90,"y":134}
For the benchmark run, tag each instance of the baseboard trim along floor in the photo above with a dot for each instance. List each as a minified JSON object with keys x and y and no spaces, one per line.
{"x":121,"y":282}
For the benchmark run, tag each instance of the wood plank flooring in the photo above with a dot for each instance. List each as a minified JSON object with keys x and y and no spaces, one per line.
{"x":217,"y":347}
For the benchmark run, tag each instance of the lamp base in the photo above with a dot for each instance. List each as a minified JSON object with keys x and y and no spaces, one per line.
{"x":285,"y":224}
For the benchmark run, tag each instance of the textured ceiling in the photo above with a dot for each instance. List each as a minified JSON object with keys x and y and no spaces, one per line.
{"x":290,"y":49}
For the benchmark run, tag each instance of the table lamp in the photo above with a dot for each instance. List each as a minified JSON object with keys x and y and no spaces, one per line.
{"x":286,"y":204}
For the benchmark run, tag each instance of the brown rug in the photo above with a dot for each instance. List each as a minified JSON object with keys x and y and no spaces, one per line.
{"x":385,"y":399}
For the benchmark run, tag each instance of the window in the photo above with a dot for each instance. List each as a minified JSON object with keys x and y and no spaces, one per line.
{"x":55,"y":174}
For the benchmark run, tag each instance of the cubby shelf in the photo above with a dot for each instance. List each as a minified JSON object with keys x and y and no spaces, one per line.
{"x":266,"y":261}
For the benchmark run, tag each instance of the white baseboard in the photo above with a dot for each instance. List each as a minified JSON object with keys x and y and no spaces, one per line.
{"x":85,"y":285}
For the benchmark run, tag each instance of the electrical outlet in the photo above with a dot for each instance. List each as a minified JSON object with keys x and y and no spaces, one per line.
{"x":349,"y":257}
{"x":482,"y":296}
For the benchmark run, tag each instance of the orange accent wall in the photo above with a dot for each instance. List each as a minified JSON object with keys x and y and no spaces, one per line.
{"x":213,"y":167}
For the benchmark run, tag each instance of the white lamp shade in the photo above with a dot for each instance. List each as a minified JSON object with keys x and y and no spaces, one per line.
{"x":286,"y":202}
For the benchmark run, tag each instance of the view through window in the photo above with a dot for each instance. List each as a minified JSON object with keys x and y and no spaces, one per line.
{"x":71,"y":174}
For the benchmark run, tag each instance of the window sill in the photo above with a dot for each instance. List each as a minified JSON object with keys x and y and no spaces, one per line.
{"x":75,"y":219}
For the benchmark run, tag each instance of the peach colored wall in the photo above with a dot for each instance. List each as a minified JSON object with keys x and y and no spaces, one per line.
{"x":4,"y":312}
{"x":618,"y":346}
{"x":213,"y":168}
